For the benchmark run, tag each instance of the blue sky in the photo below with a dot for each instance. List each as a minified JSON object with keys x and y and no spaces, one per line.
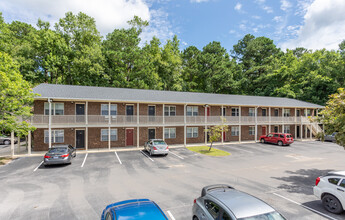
{"x":313,"y":24}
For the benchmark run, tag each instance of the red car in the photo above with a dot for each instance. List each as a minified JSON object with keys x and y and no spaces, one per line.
{"x":277,"y":138}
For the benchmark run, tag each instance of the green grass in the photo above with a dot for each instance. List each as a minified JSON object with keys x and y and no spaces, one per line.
{"x":4,"y":160}
{"x":204,"y":150}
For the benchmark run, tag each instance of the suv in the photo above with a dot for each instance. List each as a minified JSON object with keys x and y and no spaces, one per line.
{"x":6,"y":139}
{"x":277,"y":138}
{"x":224,"y":202}
{"x":331,"y":190}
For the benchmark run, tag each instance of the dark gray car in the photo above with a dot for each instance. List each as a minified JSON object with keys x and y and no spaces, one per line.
{"x":330,"y":137}
{"x":223,"y":202}
{"x":60,"y":154}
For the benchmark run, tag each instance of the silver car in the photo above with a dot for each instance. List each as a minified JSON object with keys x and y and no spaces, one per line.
{"x":156,"y":146}
{"x":59,"y":154}
{"x":330,"y":137}
{"x":7,"y":140}
{"x":224,"y":202}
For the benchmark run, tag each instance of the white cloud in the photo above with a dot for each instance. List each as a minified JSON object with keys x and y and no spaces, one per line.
{"x":238,"y":6}
{"x":256,"y":17}
{"x":323,"y":27}
{"x":268,"y":9}
{"x":278,"y":19}
{"x":285,"y":5}
{"x":198,"y":1}
{"x":107,"y":13}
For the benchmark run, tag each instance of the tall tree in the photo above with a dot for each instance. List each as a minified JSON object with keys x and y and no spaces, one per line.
{"x":191,"y":66}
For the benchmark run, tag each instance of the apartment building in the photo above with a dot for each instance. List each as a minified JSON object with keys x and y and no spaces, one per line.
{"x":98,"y":117}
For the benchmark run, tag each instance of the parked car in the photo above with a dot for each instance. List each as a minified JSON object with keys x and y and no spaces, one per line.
{"x":277,"y":138}
{"x":331,"y":190}
{"x":156,"y":146}
{"x":139,"y":209}
{"x":7,"y":140}
{"x":330,"y":137}
{"x":60,"y":154}
{"x":225,"y":202}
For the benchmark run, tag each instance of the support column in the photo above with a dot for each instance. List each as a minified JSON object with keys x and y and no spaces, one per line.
{"x":269,"y":120}
{"x":109,"y":122}
{"x":283,"y":121}
{"x":50,"y":123}
{"x":185,"y":125}
{"x":295,"y":131}
{"x":306,"y":127}
{"x":164,"y":122}
{"x":138,"y":135}
{"x":86,"y":138}
{"x":205,"y":133}
{"x":239,"y":124}
{"x":12,"y":144}
{"x":256,"y":124}
{"x":86,"y":127}
{"x":222,"y":123}
{"x":86,"y":113}
{"x":29,"y":143}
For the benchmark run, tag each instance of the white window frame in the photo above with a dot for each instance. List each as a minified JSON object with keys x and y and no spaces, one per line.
{"x":169,"y":108}
{"x":171,"y":133}
{"x":251,"y":112}
{"x":192,"y":110}
{"x":105,"y":136}
{"x":237,"y":112}
{"x":192,"y":132}
{"x":252,"y":130}
{"x":113,"y":109}
{"x":53,"y":108}
{"x":287,"y":112}
{"x":287,"y":129}
{"x":54,"y":136}
{"x":235,"y":131}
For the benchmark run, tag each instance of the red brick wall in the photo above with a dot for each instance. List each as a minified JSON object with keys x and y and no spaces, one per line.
{"x":38,"y":138}
{"x":200,"y":138}
{"x":179,"y":136}
{"x":245,"y":134}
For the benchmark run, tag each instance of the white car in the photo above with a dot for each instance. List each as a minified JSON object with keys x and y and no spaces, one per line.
{"x":331,"y":190}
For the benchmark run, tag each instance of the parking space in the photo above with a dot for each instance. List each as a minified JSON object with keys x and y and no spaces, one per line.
{"x":281,"y":176}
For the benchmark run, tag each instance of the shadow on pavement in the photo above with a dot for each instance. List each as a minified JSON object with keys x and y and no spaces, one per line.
{"x":301,"y":181}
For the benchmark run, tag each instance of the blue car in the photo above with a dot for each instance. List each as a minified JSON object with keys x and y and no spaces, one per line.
{"x":139,"y":209}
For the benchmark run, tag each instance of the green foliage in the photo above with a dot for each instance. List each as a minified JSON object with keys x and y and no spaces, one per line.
{"x":333,"y":116}
{"x":206,"y":151}
{"x":16,"y":97}
{"x":215,"y":132}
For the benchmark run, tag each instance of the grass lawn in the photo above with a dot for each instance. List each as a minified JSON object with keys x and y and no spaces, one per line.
{"x":4,"y":160}
{"x":204,"y":150}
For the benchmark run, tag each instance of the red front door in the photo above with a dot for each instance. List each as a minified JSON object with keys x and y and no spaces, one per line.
{"x":223,"y":135}
{"x":263,"y":130}
{"x":129,"y":137}
{"x":208,"y":111}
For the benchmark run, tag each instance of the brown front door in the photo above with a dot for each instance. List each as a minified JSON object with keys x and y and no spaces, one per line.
{"x":208,"y":111}
{"x":224,"y":135}
{"x":263,"y":130}
{"x":129,"y":137}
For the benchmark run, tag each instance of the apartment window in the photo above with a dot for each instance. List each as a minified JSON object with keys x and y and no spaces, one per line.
{"x":169,"y":110}
{"x":105,"y":133}
{"x":276,"y":112}
{"x":308,"y":112}
{"x":287,"y":129}
{"x":235,"y":112}
{"x":286,"y":112}
{"x":298,"y":113}
{"x":251,"y":130}
{"x":276,"y":129}
{"x":192,"y":132}
{"x":224,"y":111}
{"x":56,"y":108}
{"x":264,"y":112}
{"x":105,"y":109}
{"x":235,"y":131}
{"x":57,"y":136}
{"x":192,"y":110}
{"x":251,"y":112}
{"x":169,"y":133}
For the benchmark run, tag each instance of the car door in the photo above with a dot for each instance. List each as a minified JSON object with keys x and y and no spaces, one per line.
{"x":275,"y":138}
{"x":269,"y":138}
{"x":341,"y":191}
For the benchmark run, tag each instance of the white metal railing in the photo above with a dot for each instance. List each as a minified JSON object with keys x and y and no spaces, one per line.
{"x":159,"y":120}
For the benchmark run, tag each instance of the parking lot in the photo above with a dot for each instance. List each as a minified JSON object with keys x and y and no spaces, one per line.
{"x":281,"y":176}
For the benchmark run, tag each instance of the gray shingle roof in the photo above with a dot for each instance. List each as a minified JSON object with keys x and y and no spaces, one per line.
{"x":70,"y":92}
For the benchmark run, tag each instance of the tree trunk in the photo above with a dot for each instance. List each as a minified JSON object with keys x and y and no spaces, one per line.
{"x":210,"y":146}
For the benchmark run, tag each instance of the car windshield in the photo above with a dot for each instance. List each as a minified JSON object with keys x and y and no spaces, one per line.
{"x":288,"y":136}
{"x":159,"y":142}
{"x":57,"y":150}
{"x":266,"y":216}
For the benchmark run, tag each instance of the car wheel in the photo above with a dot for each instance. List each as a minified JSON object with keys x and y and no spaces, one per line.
{"x":7,"y":142}
{"x":150,"y":152}
{"x":280,"y":143}
{"x":195,"y":218}
{"x":263,"y":141}
{"x":332,"y":204}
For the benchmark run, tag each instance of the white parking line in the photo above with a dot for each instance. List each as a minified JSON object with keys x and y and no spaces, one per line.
{"x":82,"y":165}
{"x":146,"y":155}
{"x":171,"y":216}
{"x":38,"y":166}
{"x":239,"y":148}
{"x":176,"y":155}
{"x":118,"y":157}
{"x":306,"y":207}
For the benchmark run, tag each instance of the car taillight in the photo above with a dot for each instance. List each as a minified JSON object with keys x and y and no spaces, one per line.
{"x":167,"y":148}
{"x":317,"y":181}
{"x":194,"y":201}
{"x":154,"y":148}
{"x":46,"y":156}
{"x":65,"y":155}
